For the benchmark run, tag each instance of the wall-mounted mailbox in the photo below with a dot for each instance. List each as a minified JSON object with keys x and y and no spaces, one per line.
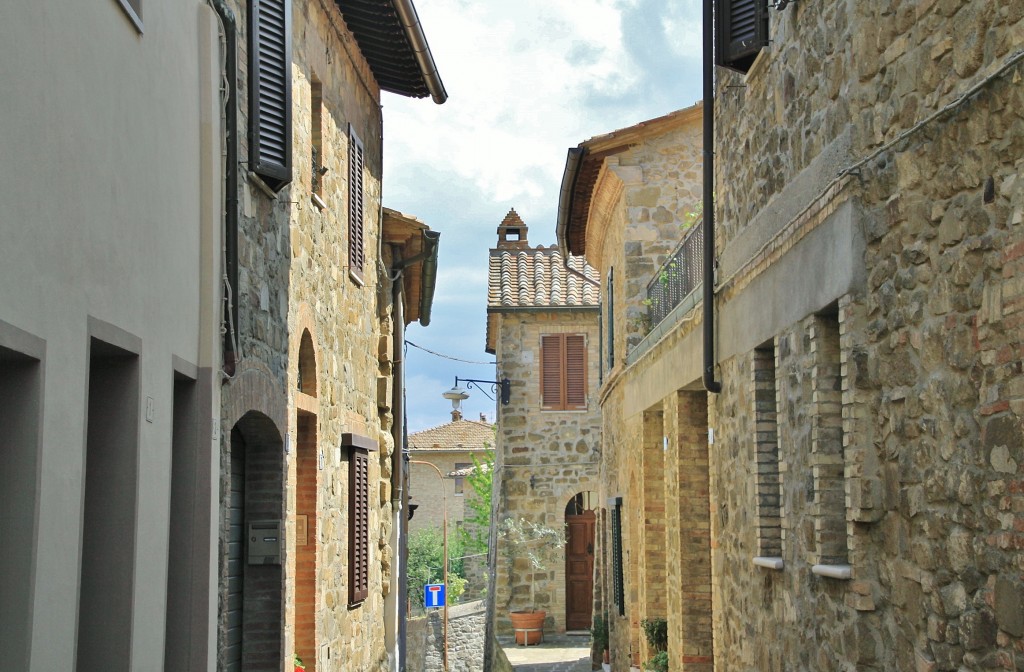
{"x":265,"y":542}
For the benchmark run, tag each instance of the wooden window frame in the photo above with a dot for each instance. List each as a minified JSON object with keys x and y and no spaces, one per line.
{"x":356,"y":207}
{"x":270,"y":91}
{"x":555,"y":360}
{"x":359,"y":448}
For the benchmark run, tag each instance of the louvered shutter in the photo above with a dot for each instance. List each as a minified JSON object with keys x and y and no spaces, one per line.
{"x":356,"y":255}
{"x":618,"y":586}
{"x":611,"y":318}
{"x":551,"y":378}
{"x":359,"y":526}
{"x":741,"y":31}
{"x":575,"y":371}
{"x":270,"y":91}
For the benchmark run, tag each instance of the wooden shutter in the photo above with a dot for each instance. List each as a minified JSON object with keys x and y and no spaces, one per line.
{"x":610,"y":299}
{"x":741,"y":31}
{"x":551,"y":378}
{"x":359,"y":526}
{"x":618,"y":587}
{"x":356,"y":256}
{"x":575,"y":371}
{"x":270,"y":91}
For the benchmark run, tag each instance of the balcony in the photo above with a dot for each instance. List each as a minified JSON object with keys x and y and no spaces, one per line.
{"x":681,"y":273}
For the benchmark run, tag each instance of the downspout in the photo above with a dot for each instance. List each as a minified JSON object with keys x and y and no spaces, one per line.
{"x":227,"y":17}
{"x":414,"y":33}
{"x":710,"y":384}
{"x":396,"y":598}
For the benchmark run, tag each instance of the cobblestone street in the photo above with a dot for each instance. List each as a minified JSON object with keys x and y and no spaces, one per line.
{"x":557,"y":653}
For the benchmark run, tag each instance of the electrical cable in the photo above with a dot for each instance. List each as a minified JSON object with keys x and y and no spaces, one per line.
{"x":454,"y":359}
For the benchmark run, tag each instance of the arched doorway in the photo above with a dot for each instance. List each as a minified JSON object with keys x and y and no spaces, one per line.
{"x":254,"y":585}
{"x":579,"y":560}
{"x":307,"y":487}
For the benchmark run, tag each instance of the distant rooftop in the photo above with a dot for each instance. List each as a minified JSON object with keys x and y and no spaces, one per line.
{"x":456,"y":435}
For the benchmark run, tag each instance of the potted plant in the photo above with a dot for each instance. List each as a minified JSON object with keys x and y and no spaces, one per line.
{"x":599,"y":635}
{"x":299,"y":667}
{"x":534,"y":546}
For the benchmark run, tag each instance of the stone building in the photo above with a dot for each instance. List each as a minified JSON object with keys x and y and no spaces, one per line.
{"x":852,"y":498}
{"x":198,"y":369}
{"x":450,"y":447}
{"x":542,"y":324}
{"x":326,"y":281}
{"x":635,"y":194}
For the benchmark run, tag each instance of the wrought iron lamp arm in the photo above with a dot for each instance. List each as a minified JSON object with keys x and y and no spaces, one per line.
{"x":500,"y":387}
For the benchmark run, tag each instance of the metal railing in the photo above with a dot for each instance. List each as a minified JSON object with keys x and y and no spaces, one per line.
{"x":677,"y":277}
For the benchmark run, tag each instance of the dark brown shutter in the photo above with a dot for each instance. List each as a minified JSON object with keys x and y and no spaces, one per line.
{"x":270,"y":91}
{"x":551,"y":378}
{"x":618,"y":585}
{"x":575,"y":371}
{"x":741,"y":31}
{"x":356,"y":256}
{"x":359,"y":526}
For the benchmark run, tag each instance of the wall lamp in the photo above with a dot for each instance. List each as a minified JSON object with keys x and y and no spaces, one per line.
{"x":502,"y":388}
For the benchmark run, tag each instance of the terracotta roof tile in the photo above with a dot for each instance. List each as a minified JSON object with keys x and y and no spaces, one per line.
{"x":537,"y":277}
{"x":460,"y":434}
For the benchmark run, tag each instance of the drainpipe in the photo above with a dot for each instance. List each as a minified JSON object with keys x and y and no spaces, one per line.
{"x":395,"y":603}
{"x":710,"y":384}
{"x":227,"y":18}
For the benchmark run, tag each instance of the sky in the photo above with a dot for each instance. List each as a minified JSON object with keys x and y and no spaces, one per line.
{"x":526,"y":80}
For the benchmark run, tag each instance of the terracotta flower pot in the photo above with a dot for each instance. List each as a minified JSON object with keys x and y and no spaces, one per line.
{"x":528,"y":626}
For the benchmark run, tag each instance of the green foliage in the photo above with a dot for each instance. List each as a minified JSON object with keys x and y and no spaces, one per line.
{"x":659,"y":663}
{"x":426,"y":562}
{"x":536,"y":542}
{"x":599,"y":633}
{"x":298,"y":662}
{"x":477,"y":522}
{"x":656,"y":632}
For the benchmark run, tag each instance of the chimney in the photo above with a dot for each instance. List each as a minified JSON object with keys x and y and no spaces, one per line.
{"x":512,"y":232}
{"x":483,"y":417}
{"x":456,"y":415}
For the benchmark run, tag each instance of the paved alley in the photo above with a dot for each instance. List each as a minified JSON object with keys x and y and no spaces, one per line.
{"x":557,"y":653}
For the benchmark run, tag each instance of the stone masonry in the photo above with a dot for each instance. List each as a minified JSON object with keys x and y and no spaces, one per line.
{"x":543,"y":458}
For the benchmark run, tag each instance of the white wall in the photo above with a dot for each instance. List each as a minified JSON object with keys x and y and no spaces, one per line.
{"x":103,"y":216}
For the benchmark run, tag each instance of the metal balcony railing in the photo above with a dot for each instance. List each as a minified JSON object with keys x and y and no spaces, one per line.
{"x":677,"y":277}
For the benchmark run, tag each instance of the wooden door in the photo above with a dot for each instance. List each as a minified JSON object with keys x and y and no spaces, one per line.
{"x":579,"y":570}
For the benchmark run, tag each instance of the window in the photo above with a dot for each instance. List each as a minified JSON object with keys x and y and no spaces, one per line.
{"x":356,"y":255}
{"x":563,"y":372}
{"x":766,"y":452}
{"x":459,"y":480}
{"x":610,"y":294}
{"x":828,"y":462}
{"x":317,"y":168}
{"x":741,"y":31}
{"x":360,"y":448}
{"x":618,"y":586}
{"x":133,"y":8}
{"x":270,"y":91}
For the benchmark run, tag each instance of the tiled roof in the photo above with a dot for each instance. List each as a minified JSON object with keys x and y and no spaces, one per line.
{"x":466,"y":471}
{"x":457,"y":435}
{"x":521,"y":276}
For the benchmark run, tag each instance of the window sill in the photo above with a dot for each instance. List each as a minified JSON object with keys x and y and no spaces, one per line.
{"x":356,"y":278}
{"x":844,"y":572}
{"x":318,"y":202}
{"x":769,"y":562}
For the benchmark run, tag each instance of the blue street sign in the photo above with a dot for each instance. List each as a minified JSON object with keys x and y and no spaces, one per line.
{"x":433,"y":596}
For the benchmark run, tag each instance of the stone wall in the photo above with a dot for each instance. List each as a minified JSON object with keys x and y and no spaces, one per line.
{"x":425,"y":489}
{"x":925,"y":415}
{"x":425,"y":639}
{"x":543,"y":458}
{"x":346,"y":319}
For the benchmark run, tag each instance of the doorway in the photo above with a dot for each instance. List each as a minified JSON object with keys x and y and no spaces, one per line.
{"x":579,"y":561}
